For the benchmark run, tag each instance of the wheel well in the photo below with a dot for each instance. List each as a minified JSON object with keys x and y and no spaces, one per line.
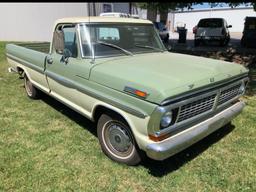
{"x":20,"y":71}
{"x":104,"y":110}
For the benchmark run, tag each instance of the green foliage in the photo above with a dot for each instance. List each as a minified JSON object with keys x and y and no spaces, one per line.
{"x":163,"y":7}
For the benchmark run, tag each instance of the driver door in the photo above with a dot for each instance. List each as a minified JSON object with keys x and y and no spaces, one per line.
{"x":65,"y":69}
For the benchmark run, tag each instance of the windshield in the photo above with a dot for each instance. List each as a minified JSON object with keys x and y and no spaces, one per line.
{"x":106,"y":40}
{"x":211,"y":23}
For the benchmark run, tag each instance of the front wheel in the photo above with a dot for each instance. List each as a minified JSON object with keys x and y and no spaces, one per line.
{"x":116,"y":140}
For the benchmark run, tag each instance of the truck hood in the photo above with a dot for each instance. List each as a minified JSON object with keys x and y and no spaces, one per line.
{"x":162,"y":75}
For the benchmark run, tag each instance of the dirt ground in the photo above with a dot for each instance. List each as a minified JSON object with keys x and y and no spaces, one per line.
{"x":231,"y":52}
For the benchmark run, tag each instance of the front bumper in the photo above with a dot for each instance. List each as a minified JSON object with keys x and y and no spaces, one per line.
{"x":172,"y":145}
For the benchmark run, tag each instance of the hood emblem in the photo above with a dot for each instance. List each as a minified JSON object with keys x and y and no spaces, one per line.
{"x":191,"y":86}
{"x":212,"y":80}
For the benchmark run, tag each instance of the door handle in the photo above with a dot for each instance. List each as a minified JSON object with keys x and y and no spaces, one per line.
{"x":49,"y":60}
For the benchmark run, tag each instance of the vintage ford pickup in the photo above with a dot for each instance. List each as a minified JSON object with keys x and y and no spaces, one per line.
{"x":117,"y":72}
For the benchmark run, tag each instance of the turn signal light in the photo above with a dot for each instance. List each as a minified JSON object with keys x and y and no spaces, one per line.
{"x":158,"y":138}
{"x":140,"y":93}
{"x":136,"y":92}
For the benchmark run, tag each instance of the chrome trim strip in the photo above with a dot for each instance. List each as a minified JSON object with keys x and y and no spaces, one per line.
{"x":202,"y":89}
{"x":27,"y":64}
{"x":74,"y":85}
{"x":166,"y":148}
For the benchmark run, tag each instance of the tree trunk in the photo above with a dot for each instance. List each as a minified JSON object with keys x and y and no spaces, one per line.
{"x":164,"y":19}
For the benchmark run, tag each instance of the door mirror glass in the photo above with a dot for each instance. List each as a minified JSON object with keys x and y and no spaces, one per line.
{"x":58,"y":41}
{"x":229,"y":26}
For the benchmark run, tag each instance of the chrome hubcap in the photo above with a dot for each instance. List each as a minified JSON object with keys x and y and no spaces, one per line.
{"x":118,"y":139}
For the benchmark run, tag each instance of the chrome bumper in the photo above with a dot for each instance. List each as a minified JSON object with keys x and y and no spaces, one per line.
{"x":168,"y":147}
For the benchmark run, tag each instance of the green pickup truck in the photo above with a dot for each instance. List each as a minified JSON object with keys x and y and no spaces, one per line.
{"x":117,"y":73}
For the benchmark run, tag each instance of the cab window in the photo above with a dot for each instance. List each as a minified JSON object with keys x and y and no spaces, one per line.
{"x":65,"y":40}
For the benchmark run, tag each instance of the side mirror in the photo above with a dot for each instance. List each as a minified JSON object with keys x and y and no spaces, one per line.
{"x":66,"y":54}
{"x":58,"y":41}
{"x":229,"y":26}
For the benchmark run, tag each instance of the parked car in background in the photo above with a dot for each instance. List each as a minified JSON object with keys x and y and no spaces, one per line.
{"x":212,"y":29}
{"x":249,"y":32}
{"x":163,"y":32}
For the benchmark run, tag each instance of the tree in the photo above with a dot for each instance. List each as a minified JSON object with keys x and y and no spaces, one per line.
{"x":163,"y":9}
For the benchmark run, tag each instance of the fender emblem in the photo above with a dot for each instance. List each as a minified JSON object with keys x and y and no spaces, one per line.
{"x":191,"y":86}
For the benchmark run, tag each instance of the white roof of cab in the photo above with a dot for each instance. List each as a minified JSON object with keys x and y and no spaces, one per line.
{"x":101,"y":20}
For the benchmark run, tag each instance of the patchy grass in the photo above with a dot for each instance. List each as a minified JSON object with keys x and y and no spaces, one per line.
{"x":44,"y":146}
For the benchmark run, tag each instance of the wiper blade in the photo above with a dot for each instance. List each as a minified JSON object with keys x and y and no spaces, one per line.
{"x":115,"y":46}
{"x":149,"y":47}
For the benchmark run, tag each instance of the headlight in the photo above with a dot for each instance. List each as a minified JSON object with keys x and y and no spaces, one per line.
{"x":242,"y":89}
{"x":166,"y":119}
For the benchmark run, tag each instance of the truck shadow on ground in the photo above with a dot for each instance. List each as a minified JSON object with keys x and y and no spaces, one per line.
{"x":71,"y":114}
{"x":162,"y":168}
{"x":155,"y":168}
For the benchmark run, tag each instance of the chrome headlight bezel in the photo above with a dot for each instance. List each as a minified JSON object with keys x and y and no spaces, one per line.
{"x":166,"y":119}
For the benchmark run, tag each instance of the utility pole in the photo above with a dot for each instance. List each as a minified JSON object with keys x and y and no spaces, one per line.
{"x":94,"y":9}
{"x":130,"y":8}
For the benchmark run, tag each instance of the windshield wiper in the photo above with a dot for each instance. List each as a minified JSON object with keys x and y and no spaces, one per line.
{"x":115,"y":46}
{"x":149,"y":47}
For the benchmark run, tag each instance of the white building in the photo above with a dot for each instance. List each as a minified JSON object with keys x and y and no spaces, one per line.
{"x":233,"y":16}
{"x":34,"y":21}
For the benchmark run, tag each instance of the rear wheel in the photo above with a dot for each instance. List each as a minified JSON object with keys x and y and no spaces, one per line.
{"x":166,"y":39}
{"x":222,"y":42}
{"x":117,"y":141}
{"x":31,"y":91}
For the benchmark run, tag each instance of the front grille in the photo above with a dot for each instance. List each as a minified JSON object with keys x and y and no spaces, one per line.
{"x":196,"y":107}
{"x":207,"y":103}
{"x":229,"y":94}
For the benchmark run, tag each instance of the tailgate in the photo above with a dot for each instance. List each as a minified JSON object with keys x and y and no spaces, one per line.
{"x":208,"y":32}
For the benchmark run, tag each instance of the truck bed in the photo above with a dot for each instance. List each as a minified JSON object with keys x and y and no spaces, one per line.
{"x":38,"y":46}
{"x":31,"y":55}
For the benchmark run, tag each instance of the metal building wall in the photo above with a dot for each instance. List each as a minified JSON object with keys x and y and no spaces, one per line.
{"x":34,"y":21}
{"x":234,"y":17}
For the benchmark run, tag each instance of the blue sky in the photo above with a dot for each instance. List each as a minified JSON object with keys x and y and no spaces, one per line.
{"x":207,"y":5}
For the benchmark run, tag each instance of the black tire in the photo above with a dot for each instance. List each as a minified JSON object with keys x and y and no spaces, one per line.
{"x":117,"y":141}
{"x":227,"y":40}
{"x":166,"y":39}
{"x":243,"y":44}
{"x":222,"y":43}
{"x":196,"y":43}
{"x":31,"y":91}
